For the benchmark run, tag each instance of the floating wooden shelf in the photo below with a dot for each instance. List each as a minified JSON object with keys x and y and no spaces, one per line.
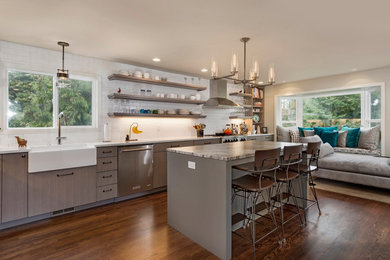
{"x":155,"y":99}
{"x":240,"y":117}
{"x":155,"y":82}
{"x":117,"y":114}
{"x":240,"y":94}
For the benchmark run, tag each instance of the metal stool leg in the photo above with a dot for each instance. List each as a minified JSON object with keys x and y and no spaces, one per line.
{"x":312,"y":186}
{"x":296,"y":202}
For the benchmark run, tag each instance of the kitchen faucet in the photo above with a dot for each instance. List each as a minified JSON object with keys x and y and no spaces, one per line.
{"x":61,"y":115}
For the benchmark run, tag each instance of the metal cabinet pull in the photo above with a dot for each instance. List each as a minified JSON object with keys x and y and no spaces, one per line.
{"x":107,"y":162}
{"x":65,"y":174}
{"x":108,"y":176}
{"x":136,"y":150}
{"x":107,"y":151}
{"x":107,"y":190}
{"x":23,"y":156}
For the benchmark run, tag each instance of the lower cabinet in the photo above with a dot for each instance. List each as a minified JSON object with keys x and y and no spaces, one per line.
{"x":269,"y":137}
{"x":56,"y":190}
{"x":14,"y":187}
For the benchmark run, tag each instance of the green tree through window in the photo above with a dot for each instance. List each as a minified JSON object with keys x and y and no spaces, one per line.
{"x":30,"y":100}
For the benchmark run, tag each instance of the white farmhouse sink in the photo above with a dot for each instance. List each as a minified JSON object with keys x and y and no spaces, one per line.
{"x":56,"y":157}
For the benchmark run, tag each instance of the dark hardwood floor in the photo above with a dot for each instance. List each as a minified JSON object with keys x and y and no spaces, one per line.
{"x":349,"y":228}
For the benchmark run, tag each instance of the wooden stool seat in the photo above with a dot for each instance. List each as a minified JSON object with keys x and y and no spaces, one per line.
{"x":303,"y":168}
{"x":251,"y":183}
{"x":282,"y":175}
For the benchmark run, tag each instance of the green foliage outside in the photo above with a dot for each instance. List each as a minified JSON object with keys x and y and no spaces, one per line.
{"x":332,"y":111}
{"x":30,"y":101}
{"x":76,"y":102}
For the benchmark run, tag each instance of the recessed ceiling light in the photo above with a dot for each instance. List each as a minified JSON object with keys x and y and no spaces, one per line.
{"x":204,"y":70}
{"x":156,"y":59}
{"x":353,"y":69}
{"x":260,"y":82}
{"x":283,"y":81}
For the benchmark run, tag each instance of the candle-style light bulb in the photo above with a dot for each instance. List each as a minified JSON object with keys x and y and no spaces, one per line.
{"x":271,"y":74}
{"x":214,"y":69}
{"x":234,"y":64}
{"x":256,"y":69}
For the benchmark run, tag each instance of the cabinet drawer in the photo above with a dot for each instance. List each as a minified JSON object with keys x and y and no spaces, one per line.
{"x":163,"y":146}
{"x":104,"y":152}
{"x":106,"y":178}
{"x":106,"y":164}
{"x":207,"y":141}
{"x":106,"y":192}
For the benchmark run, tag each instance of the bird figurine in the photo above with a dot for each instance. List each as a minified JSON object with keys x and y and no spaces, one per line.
{"x":21,"y":142}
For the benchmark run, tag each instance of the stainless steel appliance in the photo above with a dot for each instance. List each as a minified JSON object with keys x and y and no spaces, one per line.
{"x":135,"y":169}
{"x":234,"y":138}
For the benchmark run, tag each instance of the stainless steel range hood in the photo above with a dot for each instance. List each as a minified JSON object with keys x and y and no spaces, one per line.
{"x":218,"y":96}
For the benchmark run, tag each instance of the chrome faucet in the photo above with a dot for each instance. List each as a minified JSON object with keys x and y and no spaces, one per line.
{"x":61,"y":115}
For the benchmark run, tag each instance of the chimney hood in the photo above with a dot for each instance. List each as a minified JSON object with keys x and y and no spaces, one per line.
{"x":218,"y":96}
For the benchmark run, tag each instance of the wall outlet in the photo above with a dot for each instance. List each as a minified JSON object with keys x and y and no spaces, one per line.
{"x":191,"y":165}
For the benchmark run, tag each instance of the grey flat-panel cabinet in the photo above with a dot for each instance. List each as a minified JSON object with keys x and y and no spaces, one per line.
{"x":14,"y":187}
{"x":62,"y":189}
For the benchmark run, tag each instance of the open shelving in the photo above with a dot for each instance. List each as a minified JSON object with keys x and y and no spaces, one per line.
{"x":155,"y":99}
{"x":155,"y":82}
{"x":119,"y":114}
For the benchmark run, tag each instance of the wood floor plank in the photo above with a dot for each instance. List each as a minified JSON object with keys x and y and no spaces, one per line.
{"x":349,"y":228}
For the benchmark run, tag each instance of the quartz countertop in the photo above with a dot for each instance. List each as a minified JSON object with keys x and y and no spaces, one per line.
{"x":5,"y":150}
{"x":229,"y":151}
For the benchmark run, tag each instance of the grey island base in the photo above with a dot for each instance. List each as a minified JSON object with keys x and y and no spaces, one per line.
{"x":199,"y":191}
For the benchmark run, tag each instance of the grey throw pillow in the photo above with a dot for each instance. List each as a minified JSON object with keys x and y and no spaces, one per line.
{"x":308,"y":133}
{"x":283,"y":133}
{"x":369,"y":138}
{"x":325,"y":150}
{"x":310,"y":139}
{"x":342,"y":139}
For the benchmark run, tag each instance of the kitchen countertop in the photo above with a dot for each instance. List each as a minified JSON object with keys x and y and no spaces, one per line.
{"x":229,"y":151}
{"x":14,"y":149}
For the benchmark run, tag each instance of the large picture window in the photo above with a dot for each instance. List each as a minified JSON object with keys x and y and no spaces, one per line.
{"x":34,"y":101}
{"x":353,"y":108}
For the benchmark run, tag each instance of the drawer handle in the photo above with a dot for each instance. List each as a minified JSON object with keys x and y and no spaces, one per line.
{"x":65,"y":174}
{"x":107,"y":190}
{"x":108,"y":176}
{"x":23,"y":156}
{"x":107,"y":162}
{"x":107,"y":151}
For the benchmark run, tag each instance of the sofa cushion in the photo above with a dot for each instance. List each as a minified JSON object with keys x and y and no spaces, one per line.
{"x":342,"y":139}
{"x":301,"y":133}
{"x":318,"y":130}
{"x":325,"y":150}
{"x":294,"y":135}
{"x":357,"y":163}
{"x":283,"y":133}
{"x":352,"y":136}
{"x":310,"y":139}
{"x":330,"y":137}
{"x":307,"y":133}
{"x":369,"y":138}
{"x":357,"y":151}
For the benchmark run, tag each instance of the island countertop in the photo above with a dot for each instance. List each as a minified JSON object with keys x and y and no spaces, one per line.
{"x":229,"y":151}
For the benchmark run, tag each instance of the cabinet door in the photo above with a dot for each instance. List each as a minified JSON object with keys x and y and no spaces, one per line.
{"x":14,"y":187}
{"x":55,"y":190}
{"x":159,"y":169}
{"x":207,"y":141}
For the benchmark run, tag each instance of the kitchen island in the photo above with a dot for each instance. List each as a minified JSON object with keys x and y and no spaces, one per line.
{"x":199,"y":190}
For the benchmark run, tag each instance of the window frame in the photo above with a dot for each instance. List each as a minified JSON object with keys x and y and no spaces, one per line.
{"x":363,"y":89}
{"x":33,"y":130}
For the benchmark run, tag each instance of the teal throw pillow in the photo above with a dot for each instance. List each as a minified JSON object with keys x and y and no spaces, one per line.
{"x":318,"y":130}
{"x":301,"y":133}
{"x":330,"y":137}
{"x":352,"y":136}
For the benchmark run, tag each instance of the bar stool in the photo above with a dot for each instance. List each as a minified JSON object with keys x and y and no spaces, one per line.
{"x":292,"y":156}
{"x":309,"y":165}
{"x":253,"y":185}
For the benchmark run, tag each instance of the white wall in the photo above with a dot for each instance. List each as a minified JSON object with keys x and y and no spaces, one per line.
{"x":332,"y":82}
{"x":24,"y":57}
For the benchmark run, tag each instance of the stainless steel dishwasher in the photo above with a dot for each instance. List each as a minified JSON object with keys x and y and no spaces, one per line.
{"x":135,"y":169}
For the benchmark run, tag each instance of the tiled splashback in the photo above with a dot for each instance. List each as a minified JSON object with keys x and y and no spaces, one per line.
{"x":29,"y":58}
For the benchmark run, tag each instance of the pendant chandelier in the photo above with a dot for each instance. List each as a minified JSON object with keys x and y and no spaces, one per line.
{"x":253,"y":75}
{"x":63,"y":74}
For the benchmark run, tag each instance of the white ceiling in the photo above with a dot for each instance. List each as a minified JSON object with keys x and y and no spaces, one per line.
{"x":303,"y":38}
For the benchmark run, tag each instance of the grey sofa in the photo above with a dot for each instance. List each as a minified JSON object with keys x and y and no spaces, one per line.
{"x":353,"y":165}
